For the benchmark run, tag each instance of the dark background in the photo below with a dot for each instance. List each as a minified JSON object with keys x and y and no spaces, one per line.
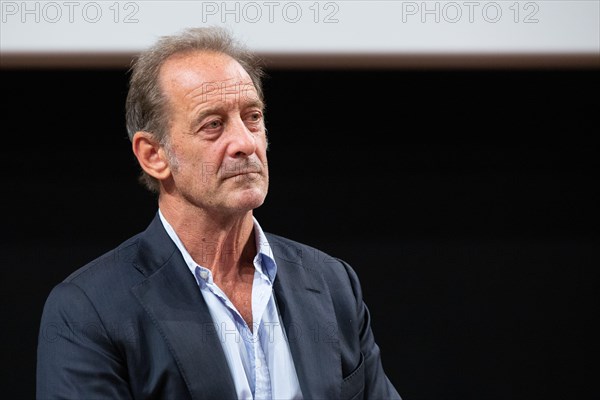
{"x":466,"y":200}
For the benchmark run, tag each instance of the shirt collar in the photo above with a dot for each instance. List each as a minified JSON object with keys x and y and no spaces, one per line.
{"x":264,"y":259}
{"x":264,"y":254}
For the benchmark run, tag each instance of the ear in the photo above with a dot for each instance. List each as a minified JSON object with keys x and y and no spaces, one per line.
{"x":150,"y":155}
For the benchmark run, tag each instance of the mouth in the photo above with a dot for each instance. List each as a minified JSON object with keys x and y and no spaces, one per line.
{"x":241,"y":173}
{"x":249,"y":169}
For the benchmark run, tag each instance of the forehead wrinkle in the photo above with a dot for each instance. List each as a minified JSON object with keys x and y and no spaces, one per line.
{"x":208,"y":88}
{"x":200,"y":98}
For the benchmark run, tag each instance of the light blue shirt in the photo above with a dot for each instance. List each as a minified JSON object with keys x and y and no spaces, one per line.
{"x":259,"y":359}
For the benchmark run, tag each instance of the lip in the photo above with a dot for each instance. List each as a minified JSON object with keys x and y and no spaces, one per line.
{"x":240,"y":173}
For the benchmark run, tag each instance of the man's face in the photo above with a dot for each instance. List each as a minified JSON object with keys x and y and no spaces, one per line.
{"x":217,"y":139}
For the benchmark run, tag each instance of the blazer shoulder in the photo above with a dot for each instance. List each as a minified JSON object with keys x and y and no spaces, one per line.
{"x":297,"y":251}
{"x":310,"y":257}
{"x":106,"y":267}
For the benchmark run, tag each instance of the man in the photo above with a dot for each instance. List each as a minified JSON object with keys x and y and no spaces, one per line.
{"x":204,"y":304}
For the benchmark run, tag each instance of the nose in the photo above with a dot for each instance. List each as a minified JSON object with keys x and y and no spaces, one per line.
{"x":242,"y":141}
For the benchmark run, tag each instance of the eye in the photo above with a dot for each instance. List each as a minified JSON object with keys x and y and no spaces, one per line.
{"x":255,"y":116}
{"x":254,"y":121}
{"x":214,"y":124}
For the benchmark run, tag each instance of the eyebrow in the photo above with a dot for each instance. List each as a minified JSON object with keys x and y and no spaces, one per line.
{"x":255,"y":103}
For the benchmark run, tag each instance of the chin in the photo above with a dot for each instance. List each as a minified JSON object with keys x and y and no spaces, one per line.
{"x":250,"y":199}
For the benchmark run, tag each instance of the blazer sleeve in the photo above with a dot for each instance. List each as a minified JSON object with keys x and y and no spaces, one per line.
{"x":377,"y":384}
{"x":75,"y":357}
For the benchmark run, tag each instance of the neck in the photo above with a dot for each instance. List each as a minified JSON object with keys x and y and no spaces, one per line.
{"x":222,"y":243}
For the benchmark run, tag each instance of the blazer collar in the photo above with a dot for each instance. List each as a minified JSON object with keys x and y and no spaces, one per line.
{"x":170,"y":296}
{"x":155,"y":248}
{"x":308,"y":315}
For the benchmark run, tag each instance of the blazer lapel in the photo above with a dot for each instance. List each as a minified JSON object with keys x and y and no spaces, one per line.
{"x":307,"y":313}
{"x":171,"y":297}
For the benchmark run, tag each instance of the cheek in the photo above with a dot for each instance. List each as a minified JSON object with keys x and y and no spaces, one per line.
{"x":184,"y":155}
{"x":201,"y":163}
{"x":263,"y":143}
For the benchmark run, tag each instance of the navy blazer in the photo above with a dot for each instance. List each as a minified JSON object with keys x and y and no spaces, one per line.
{"x":132,"y":324}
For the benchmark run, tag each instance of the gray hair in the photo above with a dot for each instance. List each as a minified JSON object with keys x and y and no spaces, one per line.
{"x":145,"y":108}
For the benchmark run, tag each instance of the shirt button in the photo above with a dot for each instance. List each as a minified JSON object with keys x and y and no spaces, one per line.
{"x":204,"y":274}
